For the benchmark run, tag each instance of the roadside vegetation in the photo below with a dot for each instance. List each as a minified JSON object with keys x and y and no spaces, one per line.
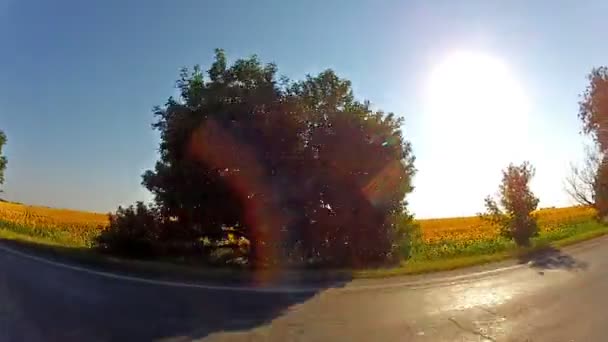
{"x":257,"y":171}
{"x":443,"y":244}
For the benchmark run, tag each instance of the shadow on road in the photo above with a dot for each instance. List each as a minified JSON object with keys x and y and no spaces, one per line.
{"x":63,"y":304}
{"x":550,"y":258}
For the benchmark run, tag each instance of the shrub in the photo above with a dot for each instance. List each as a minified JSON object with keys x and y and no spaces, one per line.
{"x":133,"y":231}
{"x":408,"y":236}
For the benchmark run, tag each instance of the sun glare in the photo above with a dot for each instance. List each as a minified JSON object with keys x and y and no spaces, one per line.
{"x":474,"y":101}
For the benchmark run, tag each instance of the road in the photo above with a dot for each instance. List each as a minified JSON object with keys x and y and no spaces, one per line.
{"x":560,"y":296}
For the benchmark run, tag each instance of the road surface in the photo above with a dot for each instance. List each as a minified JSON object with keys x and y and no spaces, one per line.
{"x":561,"y":296}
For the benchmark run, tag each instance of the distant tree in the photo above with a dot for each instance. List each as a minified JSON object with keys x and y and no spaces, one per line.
{"x":516,"y":203}
{"x":3,"y":161}
{"x":303,"y":171}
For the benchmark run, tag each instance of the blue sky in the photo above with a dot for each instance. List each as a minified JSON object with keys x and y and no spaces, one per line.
{"x":78,"y":81}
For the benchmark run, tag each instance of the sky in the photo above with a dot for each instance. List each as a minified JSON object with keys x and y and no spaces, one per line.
{"x":78,"y":81}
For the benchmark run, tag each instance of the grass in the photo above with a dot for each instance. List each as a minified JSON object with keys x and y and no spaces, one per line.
{"x":28,"y":233}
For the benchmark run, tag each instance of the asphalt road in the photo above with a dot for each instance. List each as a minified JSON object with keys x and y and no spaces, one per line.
{"x":560,"y":296}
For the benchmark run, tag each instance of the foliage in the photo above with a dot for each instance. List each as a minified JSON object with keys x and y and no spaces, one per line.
{"x":302,"y":170}
{"x":408,"y":236}
{"x":514,"y":211}
{"x":593,"y":112}
{"x":593,"y":108}
{"x":581,"y":183}
{"x":132,"y":231}
{"x":357,"y":165}
{"x":601,"y":189}
{"x":3,"y":160}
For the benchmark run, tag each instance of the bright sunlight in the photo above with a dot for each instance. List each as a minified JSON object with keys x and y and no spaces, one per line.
{"x":474,"y":100}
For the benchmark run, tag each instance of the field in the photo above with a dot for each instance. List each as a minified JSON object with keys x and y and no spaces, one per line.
{"x":473,"y":228}
{"x":465,"y":236}
{"x":442,"y":239}
{"x":63,"y":226}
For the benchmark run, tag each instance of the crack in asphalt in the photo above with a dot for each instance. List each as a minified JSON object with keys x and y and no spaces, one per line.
{"x":472,"y":331}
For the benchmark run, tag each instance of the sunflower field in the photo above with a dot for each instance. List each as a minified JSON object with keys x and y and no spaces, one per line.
{"x":463,"y":236}
{"x":474,"y":228}
{"x":71,"y":227}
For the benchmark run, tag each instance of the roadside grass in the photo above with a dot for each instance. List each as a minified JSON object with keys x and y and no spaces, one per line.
{"x":428,"y":257}
{"x":59,"y":237}
{"x":451,"y":255}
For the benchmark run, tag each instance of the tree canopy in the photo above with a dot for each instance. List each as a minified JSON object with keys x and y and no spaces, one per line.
{"x":593,"y":107}
{"x":300,"y":169}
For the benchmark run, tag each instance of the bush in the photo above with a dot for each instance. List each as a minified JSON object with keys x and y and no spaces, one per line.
{"x":408,"y":236}
{"x":133,"y":231}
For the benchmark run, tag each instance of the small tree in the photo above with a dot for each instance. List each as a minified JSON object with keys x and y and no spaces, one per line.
{"x":2,"y":158}
{"x":513,"y":212}
{"x":580,"y":184}
{"x":587,"y":184}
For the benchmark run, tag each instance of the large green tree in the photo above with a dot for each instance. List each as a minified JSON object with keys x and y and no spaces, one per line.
{"x":301,"y":170}
{"x":362,"y":169}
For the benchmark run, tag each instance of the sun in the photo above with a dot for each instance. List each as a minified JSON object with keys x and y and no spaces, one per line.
{"x":475,"y":102}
